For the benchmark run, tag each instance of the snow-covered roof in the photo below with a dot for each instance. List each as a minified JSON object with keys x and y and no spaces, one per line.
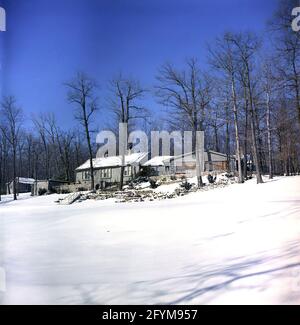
{"x":216,"y":156}
{"x":158,"y":161}
{"x":114,"y":161}
{"x":23,"y":180}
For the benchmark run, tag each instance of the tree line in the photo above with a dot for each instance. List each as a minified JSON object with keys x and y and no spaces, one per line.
{"x":246,"y":100}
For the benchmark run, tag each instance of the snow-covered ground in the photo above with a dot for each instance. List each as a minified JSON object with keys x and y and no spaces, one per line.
{"x":238,"y":244}
{"x":10,"y":198}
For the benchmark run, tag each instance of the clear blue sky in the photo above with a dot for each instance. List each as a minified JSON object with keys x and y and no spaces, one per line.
{"x":47,"y":41}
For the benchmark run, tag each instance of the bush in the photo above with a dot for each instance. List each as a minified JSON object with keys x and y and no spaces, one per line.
{"x":153,"y":183}
{"x":42,"y":191}
{"x":211,"y":179}
{"x":146,"y":171}
{"x":186,"y":185}
{"x":131,"y":185}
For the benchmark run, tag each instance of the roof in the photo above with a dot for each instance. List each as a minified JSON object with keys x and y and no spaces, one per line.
{"x":165,"y":160}
{"x":158,"y":161}
{"x":23,"y":180}
{"x":214,"y":154}
{"x":114,"y":161}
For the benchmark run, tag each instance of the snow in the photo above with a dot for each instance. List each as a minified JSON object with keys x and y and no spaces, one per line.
{"x":167,"y":188}
{"x":23,"y":180}
{"x":10,"y":197}
{"x":215,"y":156}
{"x":114,"y":161}
{"x":171,"y":187}
{"x":158,"y":161}
{"x":233,"y":245}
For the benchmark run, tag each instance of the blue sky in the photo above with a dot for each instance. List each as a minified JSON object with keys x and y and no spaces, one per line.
{"x":48,"y":41}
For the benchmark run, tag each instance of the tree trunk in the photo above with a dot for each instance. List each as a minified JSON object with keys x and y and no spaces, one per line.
{"x":261,"y":155}
{"x":121,"y":184}
{"x":123,"y":138}
{"x":236,"y":128}
{"x":196,"y":142}
{"x":199,"y":169}
{"x":268,"y":116}
{"x":14,"y":173}
{"x":227,"y":140}
{"x":90,"y":153}
{"x":253,"y":133}
{"x":246,"y":135}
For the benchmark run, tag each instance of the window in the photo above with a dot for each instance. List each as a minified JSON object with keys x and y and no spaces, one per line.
{"x":127,"y":171}
{"x":106,"y":173}
{"x":86,"y":176}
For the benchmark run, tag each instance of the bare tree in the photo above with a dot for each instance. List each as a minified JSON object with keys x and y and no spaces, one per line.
{"x":81,"y":93}
{"x":187,"y":94}
{"x":79,"y":149}
{"x":288,"y":49}
{"x":269,"y":85}
{"x":41,"y":125}
{"x":4,"y":159}
{"x":12,"y":117}
{"x":247,"y":45}
{"x":127,"y":107}
{"x":64,"y":141}
{"x":222,"y":58}
{"x":245,"y":102}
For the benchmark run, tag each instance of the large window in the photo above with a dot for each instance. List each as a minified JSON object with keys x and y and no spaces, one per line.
{"x":106,"y":173}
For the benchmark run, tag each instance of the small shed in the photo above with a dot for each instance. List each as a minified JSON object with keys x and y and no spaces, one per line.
{"x":47,"y":186}
{"x":23,"y":185}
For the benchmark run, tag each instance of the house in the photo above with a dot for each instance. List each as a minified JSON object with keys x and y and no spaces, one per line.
{"x":186,"y":164}
{"x":160,"y":165}
{"x":213,"y":162}
{"x":49,"y":186}
{"x":107,"y":170}
{"x":23,"y":185}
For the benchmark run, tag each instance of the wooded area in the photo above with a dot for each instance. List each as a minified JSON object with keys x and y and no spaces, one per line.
{"x":246,"y":99}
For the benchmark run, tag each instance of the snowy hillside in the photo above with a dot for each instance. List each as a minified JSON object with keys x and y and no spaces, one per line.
{"x":238,"y":244}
